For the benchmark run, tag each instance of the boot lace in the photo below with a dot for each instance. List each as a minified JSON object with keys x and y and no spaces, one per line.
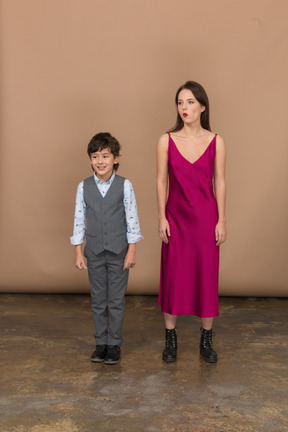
{"x":207,"y":338}
{"x":171,"y":339}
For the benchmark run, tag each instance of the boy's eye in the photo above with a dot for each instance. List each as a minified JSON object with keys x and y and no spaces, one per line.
{"x":179,"y":103}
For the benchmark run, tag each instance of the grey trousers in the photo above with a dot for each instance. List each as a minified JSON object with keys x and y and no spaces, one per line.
{"x":108,"y":283}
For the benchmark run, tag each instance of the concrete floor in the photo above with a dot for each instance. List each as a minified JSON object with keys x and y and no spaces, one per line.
{"x":48,"y":383}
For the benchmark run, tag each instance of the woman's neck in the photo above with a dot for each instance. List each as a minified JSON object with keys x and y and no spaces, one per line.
{"x":192,"y":131}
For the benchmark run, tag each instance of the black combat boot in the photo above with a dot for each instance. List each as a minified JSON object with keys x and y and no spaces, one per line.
{"x":206,"y":350}
{"x":169,"y":354}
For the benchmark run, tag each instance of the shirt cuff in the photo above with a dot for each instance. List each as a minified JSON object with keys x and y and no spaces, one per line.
{"x":134,"y":238}
{"x":77,"y":239}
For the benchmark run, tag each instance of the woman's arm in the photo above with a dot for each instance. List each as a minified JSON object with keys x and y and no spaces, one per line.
{"x":162,"y":185}
{"x":220,"y":190}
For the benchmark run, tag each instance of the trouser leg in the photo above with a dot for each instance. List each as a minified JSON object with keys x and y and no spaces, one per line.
{"x":97,"y":270}
{"x":117,"y":285}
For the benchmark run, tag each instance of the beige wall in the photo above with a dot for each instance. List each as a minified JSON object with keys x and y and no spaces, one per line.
{"x":72,"y":68}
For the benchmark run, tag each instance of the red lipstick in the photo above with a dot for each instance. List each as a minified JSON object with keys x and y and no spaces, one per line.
{"x":185,"y":115}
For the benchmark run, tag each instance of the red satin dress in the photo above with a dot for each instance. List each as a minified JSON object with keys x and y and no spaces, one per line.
{"x":190,"y":261}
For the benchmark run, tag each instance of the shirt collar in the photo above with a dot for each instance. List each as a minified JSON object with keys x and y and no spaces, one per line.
{"x":108,"y":182}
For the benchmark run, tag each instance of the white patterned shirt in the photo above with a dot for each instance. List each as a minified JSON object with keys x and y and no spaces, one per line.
{"x":129,"y":201}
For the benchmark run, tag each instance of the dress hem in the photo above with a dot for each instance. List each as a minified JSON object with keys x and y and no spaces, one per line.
{"x":190,"y":313}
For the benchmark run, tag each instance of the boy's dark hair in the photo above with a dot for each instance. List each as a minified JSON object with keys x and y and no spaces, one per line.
{"x":102,"y":141}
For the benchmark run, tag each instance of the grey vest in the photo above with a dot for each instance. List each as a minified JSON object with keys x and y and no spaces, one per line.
{"x":106,"y":218}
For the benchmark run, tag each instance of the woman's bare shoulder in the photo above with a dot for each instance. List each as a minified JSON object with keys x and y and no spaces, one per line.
{"x":164,"y":137}
{"x":163,"y":141}
{"x":220,"y":145}
{"x":219,"y":140}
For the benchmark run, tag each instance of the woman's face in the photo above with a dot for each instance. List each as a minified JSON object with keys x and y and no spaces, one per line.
{"x":189,"y":108}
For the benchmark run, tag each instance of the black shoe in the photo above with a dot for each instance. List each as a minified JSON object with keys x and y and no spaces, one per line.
{"x":113,"y":355}
{"x":206,"y":350}
{"x":169,"y":354}
{"x":99,"y":354}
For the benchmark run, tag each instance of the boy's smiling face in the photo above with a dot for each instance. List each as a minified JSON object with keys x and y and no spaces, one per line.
{"x":102,"y":163}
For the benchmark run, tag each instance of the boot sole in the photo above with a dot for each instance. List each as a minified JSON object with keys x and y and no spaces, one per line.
{"x":210,"y":360}
{"x":169,"y":360}
{"x":97,"y":360}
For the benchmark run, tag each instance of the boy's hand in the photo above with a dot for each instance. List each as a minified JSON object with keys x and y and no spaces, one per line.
{"x":79,"y":261}
{"x":130,"y":259}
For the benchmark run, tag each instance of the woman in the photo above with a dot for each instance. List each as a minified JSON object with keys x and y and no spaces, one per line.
{"x":192,"y":222}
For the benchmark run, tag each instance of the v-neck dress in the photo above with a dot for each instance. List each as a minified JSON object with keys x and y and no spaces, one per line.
{"x":190,"y":260}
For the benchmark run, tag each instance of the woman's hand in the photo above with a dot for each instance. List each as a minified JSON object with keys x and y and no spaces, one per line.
{"x":164,"y":230}
{"x":220,"y":232}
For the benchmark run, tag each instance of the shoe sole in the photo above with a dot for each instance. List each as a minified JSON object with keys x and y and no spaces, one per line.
{"x":96,"y":360}
{"x":111,"y":362}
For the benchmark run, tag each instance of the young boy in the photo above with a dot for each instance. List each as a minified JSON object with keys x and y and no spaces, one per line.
{"x":106,"y":203}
